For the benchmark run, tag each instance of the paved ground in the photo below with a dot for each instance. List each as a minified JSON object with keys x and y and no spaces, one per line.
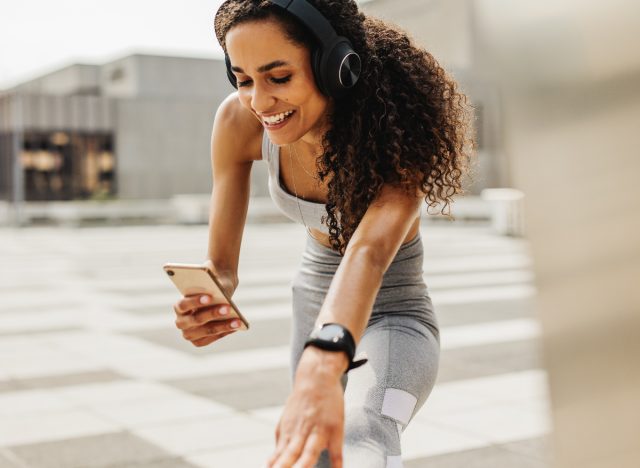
{"x":94,"y":374}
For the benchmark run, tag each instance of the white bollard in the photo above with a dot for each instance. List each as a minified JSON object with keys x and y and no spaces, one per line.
{"x":507,"y":210}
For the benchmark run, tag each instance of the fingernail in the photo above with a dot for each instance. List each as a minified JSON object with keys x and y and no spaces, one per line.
{"x":224,"y":310}
{"x":205,"y":299}
{"x":235,"y":324}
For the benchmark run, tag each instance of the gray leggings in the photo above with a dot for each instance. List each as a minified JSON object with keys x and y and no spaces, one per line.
{"x":402,"y":343}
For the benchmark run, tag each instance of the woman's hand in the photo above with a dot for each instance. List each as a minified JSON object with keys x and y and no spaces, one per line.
{"x":313,"y":417}
{"x":202,"y":322}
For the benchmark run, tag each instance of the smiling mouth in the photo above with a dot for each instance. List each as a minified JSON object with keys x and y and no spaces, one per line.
{"x":278,"y":118}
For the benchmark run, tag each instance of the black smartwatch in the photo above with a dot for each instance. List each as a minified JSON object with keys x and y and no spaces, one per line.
{"x":335,"y":337}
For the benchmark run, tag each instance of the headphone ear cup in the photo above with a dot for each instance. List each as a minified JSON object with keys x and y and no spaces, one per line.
{"x":230,"y":75}
{"x":341,"y":66}
{"x":350,"y":68}
{"x":318,"y":71}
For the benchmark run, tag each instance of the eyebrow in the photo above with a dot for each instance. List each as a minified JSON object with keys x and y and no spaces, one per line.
{"x":264,"y":68}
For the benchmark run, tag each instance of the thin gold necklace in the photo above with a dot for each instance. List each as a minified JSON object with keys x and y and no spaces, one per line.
{"x":295,"y":192}
{"x":313,"y":176}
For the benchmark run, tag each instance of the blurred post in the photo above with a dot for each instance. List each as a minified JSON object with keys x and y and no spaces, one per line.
{"x":18,"y":174}
{"x":570,"y":81}
{"x":507,"y":215}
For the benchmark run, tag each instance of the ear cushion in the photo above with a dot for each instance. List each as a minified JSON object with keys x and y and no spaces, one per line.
{"x":230,"y":75}
{"x":316,"y":67}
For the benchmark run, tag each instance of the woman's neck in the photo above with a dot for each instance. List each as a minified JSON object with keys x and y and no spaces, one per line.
{"x":311,"y":142}
{"x":307,"y":145}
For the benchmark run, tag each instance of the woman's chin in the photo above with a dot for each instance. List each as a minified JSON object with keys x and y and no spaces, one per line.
{"x":279,"y":139}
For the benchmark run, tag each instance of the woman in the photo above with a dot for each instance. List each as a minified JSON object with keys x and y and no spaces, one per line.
{"x":352,"y":159}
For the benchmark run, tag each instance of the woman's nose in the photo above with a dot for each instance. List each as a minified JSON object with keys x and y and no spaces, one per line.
{"x":261,"y":100}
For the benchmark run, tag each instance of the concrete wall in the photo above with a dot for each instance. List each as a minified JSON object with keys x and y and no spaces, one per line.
{"x":149,"y":75}
{"x":73,"y":79}
{"x":162,"y":146}
{"x":165,"y":111}
{"x":120,"y":77}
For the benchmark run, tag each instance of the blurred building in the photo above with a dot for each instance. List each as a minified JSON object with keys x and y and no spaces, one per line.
{"x":137,"y":127}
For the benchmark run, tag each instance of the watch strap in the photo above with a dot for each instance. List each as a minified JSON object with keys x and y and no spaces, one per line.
{"x":356,"y":364}
{"x":344,"y":342}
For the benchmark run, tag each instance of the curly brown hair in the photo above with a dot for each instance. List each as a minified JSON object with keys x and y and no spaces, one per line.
{"x":404,"y":123}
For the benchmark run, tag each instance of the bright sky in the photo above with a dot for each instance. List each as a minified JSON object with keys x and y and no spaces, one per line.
{"x":38,"y":36}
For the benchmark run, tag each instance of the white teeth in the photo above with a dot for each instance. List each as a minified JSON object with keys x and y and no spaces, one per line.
{"x":276,"y":119}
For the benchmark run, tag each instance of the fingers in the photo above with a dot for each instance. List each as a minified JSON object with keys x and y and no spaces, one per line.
{"x":189,"y":304}
{"x":216,"y":329}
{"x":303,"y":452}
{"x":288,"y":451}
{"x":335,"y":447}
{"x":212,"y":313}
{"x":281,"y":443}
{"x":277,"y":433}
{"x":315,"y":444}
{"x":209,"y":339}
{"x":200,"y":317}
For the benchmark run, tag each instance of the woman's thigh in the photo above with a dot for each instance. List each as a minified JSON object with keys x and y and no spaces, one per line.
{"x":382,"y":397}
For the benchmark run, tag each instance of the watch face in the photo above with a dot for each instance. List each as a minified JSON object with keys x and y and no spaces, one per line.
{"x":331,"y":333}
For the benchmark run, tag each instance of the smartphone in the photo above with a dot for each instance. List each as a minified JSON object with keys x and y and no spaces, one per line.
{"x":198,"y":279}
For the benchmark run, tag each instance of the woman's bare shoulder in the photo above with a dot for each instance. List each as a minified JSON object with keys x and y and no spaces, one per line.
{"x":237,"y":131}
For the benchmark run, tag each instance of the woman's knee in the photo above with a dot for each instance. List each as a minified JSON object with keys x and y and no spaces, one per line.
{"x":369,"y":431}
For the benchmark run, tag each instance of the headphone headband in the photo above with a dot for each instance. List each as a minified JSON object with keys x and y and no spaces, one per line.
{"x":315,"y":22}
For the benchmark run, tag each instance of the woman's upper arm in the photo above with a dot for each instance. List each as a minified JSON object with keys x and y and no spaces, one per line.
{"x":235,"y":143}
{"x":236,"y":137}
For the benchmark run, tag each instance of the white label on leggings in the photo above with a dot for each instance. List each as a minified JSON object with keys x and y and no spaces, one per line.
{"x":398,"y":404}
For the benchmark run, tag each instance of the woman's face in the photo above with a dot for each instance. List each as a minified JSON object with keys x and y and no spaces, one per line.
{"x":275,"y":82}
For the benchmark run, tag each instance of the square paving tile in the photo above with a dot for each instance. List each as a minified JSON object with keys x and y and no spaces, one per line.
{"x":242,"y":391}
{"x":164,"y":463}
{"x":8,"y":460}
{"x":450,"y":315}
{"x":539,"y":447}
{"x":41,"y":331}
{"x":105,"y":450}
{"x":241,"y":456}
{"x":207,"y":434}
{"x":496,"y":358}
{"x":63,"y":380}
{"x":493,"y":456}
{"x":262,"y":334}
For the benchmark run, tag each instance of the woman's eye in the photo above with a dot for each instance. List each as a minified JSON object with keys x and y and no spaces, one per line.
{"x":281,"y":80}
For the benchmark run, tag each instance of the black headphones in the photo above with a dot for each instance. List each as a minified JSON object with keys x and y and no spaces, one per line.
{"x":336,"y":66}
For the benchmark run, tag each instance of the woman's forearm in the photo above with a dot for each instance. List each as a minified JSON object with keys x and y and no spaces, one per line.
{"x":227,"y":216}
{"x":353,"y":291}
{"x":349,"y":302}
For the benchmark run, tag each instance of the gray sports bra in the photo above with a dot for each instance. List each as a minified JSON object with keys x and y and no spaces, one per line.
{"x":291,"y":206}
